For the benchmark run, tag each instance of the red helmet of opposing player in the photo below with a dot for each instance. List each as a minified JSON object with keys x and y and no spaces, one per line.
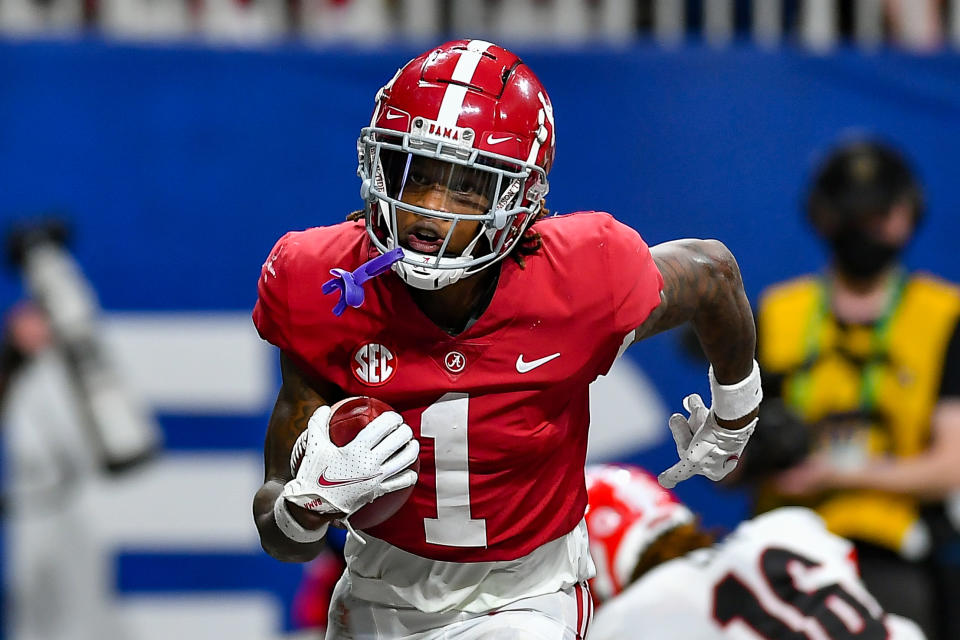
{"x":480,"y":109}
{"x":628,"y":510}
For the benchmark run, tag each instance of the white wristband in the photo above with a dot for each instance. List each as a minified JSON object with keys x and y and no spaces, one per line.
{"x":732,"y":401}
{"x":293,"y":529}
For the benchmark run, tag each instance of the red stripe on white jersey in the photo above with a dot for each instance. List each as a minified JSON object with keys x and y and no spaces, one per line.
{"x":580,"y":610}
{"x":589,"y":600}
{"x":583,"y":609}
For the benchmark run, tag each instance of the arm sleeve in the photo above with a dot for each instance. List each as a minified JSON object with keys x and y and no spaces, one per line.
{"x":271,"y":314}
{"x":950,"y":381}
{"x":635,"y":280}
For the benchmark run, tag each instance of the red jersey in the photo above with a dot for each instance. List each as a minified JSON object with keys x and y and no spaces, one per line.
{"x":500,"y":410}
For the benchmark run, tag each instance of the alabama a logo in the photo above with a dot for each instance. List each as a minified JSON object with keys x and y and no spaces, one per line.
{"x":373,"y":364}
{"x":455,"y":362}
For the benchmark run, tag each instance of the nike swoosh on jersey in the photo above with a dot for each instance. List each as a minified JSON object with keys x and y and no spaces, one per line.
{"x":524,"y":367}
{"x":324,"y":481}
{"x":495,"y":140}
{"x":393,"y":115}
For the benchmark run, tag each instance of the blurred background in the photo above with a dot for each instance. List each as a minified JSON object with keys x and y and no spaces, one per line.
{"x":173,"y":141}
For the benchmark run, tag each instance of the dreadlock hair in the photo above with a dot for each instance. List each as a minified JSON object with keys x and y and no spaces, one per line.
{"x":672,"y":544}
{"x":528,"y":244}
{"x":531,"y":241}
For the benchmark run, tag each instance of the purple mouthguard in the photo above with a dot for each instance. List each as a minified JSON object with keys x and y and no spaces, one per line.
{"x":350,"y":283}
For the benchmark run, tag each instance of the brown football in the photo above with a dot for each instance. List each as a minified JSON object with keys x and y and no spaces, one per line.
{"x":348,"y":418}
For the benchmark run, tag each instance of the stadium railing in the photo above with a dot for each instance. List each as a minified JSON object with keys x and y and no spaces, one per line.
{"x":819,"y":25}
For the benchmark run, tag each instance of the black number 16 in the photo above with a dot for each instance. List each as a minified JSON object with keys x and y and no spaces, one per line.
{"x":734,"y":600}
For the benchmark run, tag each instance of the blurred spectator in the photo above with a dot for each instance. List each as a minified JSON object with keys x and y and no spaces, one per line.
{"x":26,"y":332}
{"x":311,"y":604}
{"x":912,"y":24}
{"x":68,"y":422}
{"x":312,"y":601}
{"x":56,"y":580}
{"x":917,"y":24}
{"x":864,"y":359}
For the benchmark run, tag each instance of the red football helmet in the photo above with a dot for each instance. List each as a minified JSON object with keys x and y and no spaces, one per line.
{"x":477,"y":112}
{"x":627,"y":511}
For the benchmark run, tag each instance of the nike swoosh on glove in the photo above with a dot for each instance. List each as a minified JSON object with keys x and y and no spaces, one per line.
{"x":334,"y":479}
{"x":704,"y":447}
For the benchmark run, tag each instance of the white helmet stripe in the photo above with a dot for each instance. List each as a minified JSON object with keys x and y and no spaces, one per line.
{"x":534,"y":150}
{"x":546,"y":113}
{"x":379,"y":99}
{"x":535,"y":147}
{"x":453,"y":97}
{"x":548,"y":109}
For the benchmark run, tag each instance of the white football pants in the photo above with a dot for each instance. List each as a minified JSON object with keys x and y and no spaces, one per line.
{"x":563,"y":615}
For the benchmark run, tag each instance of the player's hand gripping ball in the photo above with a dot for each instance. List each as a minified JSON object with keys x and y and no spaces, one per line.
{"x":347,"y":421}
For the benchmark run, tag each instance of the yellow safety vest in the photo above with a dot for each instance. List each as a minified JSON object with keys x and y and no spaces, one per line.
{"x":864,"y":391}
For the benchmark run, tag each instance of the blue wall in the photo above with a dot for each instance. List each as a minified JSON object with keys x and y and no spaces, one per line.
{"x":180,"y":167}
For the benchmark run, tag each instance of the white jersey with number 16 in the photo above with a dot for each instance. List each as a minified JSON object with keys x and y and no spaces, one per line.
{"x":780,"y":576}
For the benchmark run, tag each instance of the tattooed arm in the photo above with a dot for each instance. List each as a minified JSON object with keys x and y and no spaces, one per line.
{"x":702,"y":285}
{"x":296,"y":402}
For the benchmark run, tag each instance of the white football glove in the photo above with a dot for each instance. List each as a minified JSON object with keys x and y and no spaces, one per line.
{"x":705,"y":447}
{"x":334,"y":479}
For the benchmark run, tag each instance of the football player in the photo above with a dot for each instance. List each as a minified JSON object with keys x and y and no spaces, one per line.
{"x":455,"y":300}
{"x":780,"y":576}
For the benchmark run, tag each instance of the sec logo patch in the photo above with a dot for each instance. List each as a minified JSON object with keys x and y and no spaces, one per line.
{"x":374,"y":364}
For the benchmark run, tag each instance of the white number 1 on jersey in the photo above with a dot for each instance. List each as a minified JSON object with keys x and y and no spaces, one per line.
{"x":446,"y":422}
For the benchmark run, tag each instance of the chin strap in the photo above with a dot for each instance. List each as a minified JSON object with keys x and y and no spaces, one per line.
{"x":350,"y":283}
